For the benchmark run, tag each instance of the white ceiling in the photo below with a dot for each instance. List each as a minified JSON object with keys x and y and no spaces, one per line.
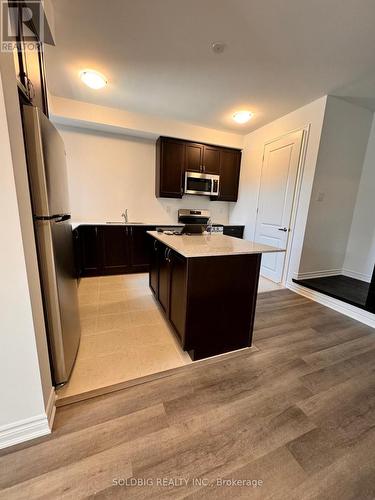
{"x":156,"y":55}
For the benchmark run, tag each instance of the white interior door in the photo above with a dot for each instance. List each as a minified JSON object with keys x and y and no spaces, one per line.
{"x":278,"y":181}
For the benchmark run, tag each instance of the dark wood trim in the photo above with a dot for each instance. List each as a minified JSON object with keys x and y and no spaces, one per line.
{"x":185,"y":141}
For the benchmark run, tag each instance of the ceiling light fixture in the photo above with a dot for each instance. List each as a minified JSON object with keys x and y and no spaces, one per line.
{"x":242,"y":116}
{"x":93,"y":79}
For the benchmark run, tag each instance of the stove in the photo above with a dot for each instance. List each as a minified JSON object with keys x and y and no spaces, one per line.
{"x":194,"y":216}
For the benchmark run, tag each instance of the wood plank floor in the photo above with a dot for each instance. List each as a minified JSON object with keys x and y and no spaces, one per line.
{"x":295,"y":419}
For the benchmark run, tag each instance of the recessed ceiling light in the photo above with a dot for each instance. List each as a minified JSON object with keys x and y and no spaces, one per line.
{"x":93,"y":79}
{"x":242,"y":116}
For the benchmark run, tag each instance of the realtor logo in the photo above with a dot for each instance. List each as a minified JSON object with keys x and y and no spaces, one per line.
{"x":22,"y":25}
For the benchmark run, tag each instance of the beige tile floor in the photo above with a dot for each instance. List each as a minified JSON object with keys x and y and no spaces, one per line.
{"x":124,"y":335}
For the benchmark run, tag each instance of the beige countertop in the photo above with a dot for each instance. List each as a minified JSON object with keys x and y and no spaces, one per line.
{"x":210,"y":245}
{"x":75,"y":224}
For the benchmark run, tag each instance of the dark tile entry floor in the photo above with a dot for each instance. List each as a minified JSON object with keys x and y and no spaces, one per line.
{"x":352,"y":291}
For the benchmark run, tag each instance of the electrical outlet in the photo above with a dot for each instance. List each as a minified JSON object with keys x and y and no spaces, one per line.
{"x":168,"y":209}
{"x":320,"y":197}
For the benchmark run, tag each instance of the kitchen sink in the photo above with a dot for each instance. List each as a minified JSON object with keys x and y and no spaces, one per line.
{"x":123,"y":223}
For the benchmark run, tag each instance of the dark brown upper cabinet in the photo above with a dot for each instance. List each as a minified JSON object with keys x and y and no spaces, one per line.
{"x":175,"y":156}
{"x":170,"y":167}
{"x":194,"y":157}
{"x":211,"y":160}
{"x":201,"y":158}
{"x":230,"y":164}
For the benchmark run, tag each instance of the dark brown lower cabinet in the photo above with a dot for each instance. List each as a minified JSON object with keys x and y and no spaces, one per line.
{"x":108,"y":249}
{"x":209,"y":301}
{"x":139,"y":244}
{"x":178,"y":284}
{"x":154,"y":267}
{"x":235,"y":231}
{"x":167,"y":279}
{"x":87,"y":251}
{"x":164,"y":278}
{"x":114,"y":249}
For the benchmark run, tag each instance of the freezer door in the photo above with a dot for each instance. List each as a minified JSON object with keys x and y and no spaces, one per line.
{"x":46,"y":165}
{"x":55,"y":247}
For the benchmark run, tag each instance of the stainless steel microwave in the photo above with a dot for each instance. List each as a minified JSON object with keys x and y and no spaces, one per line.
{"x":206,"y":184}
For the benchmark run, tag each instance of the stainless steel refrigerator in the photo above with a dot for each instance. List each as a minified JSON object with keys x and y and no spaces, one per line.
{"x":50,"y":202}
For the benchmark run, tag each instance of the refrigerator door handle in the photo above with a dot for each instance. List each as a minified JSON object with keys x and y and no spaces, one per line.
{"x":62,"y":218}
{"x":53,"y":218}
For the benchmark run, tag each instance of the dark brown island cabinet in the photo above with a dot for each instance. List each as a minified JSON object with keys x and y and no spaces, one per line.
{"x":208,"y":299}
{"x":176,"y":156}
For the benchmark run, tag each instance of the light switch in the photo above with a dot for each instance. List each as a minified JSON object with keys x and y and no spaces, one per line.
{"x":320,"y":197}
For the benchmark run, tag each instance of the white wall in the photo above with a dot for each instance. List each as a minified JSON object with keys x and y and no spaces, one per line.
{"x":110,"y":172}
{"x":90,"y":116}
{"x":341,"y":155}
{"x":360,"y":254}
{"x":244,"y":211}
{"x":22,"y":414}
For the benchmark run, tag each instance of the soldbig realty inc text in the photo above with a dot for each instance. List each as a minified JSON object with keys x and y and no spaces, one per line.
{"x":176,"y":482}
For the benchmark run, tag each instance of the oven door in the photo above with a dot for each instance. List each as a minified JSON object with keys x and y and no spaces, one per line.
{"x":198,"y":183}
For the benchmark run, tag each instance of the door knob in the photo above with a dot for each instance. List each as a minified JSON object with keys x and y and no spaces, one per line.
{"x":284,"y":229}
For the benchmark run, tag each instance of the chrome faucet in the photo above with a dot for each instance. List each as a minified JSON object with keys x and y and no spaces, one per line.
{"x":125,"y":215}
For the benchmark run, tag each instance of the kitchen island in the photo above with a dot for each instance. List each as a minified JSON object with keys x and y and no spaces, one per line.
{"x":207,"y":287}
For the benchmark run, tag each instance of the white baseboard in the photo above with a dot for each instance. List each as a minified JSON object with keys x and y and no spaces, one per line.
{"x":24,"y":430}
{"x":339,"y":306}
{"x":332,"y":272}
{"x":317,"y":274}
{"x":29,"y":428}
{"x":356,"y":275}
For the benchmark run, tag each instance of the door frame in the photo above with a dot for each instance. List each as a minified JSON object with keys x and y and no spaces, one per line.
{"x":297,"y":191}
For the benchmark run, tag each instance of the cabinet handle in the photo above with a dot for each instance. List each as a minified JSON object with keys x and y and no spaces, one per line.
{"x":167,"y":253}
{"x":155,"y":245}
